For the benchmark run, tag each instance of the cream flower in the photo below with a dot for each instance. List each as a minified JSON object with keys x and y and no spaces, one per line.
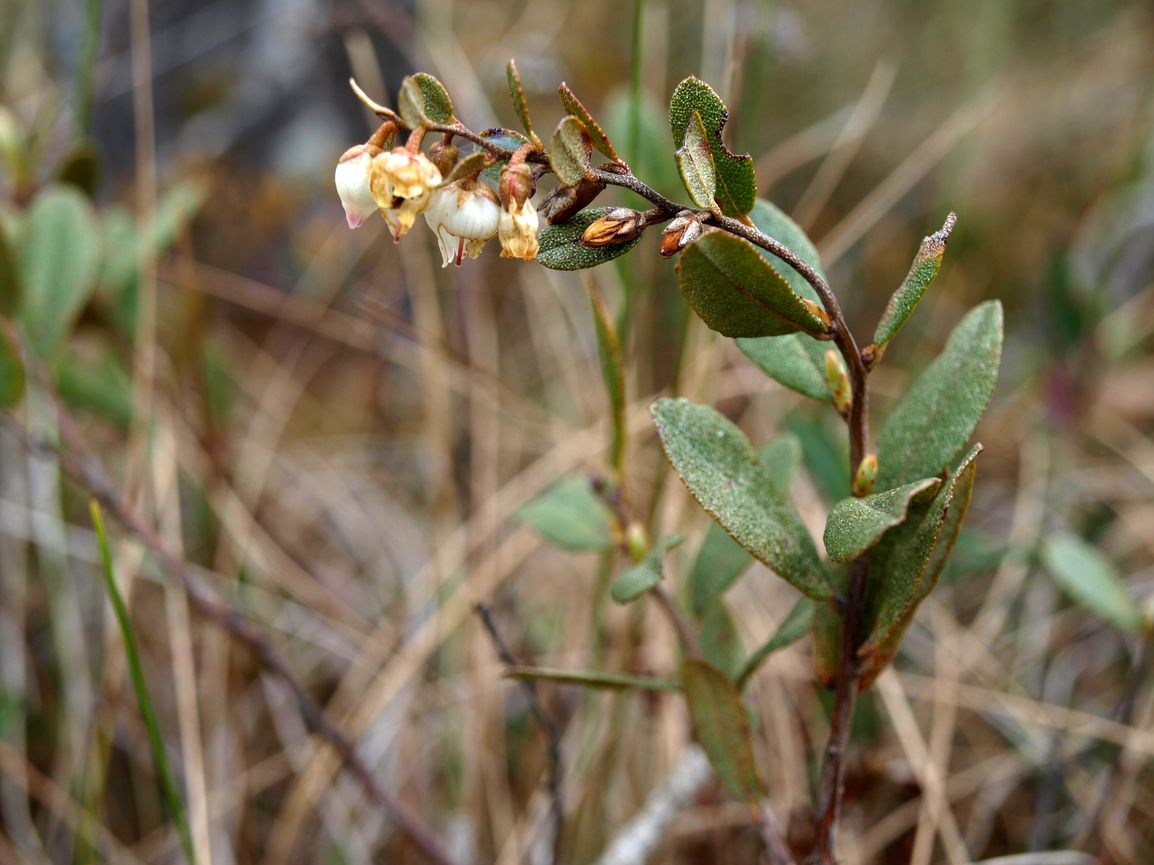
{"x":352,"y":179}
{"x":517,"y":230}
{"x":463,"y":215}
{"x":401,"y":184}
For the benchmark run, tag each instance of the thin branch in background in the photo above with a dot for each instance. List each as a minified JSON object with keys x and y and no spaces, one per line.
{"x":548,"y":725}
{"x":89,"y":474}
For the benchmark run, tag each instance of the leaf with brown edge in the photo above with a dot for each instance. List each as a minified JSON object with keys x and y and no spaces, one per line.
{"x":721,"y":725}
{"x":569,"y":151}
{"x":520,"y":104}
{"x":925,"y":267}
{"x":906,"y":564}
{"x":573,"y":106}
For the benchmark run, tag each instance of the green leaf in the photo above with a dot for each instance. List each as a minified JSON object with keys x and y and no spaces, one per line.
{"x":926,"y":265}
{"x":596,"y":133}
{"x":12,"y":378}
{"x":721,"y":724}
{"x":570,"y":515}
{"x":99,"y":384}
{"x":569,"y":151}
{"x":796,"y":361}
{"x":612,"y":372}
{"x":517,"y":92}
{"x":855,"y":524}
{"x":634,"y":582}
{"x":906,"y":564}
{"x":721,"y":560}
{"x":939,"y":412}
{"x":506,"y":138}
{"x":651,"y":161}
{"x":796,"y":625}
{"x":423,"y":101}
{"x":164,"y":774}
{"x":559,"y":246}
{"x":472,"y":164}
{"x":720,"y":642}
{"x":10,"y":288}
{"x":695,"y":162}
{"x":736,"y":179}
{"x":824,"y":451}
{"x":1091,"y":580}
{"x":58,"y":265}
{"x":719,"y":466}
{"x":591,"y":679}
{"x":737,"y":293}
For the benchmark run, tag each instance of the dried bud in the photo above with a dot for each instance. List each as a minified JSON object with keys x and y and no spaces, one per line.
{"x":838,"y":382}
{"x":817,"y":311}
{"x":681,"y":232}
{"x":401,"y":183}
{"x":516,"y":185}
{"x":619,"y":225}
{"x":565,"y":201}
{"x":443,"y":154}
{"x":866,"y":474}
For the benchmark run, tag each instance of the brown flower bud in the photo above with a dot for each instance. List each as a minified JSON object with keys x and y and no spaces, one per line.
{"x":682,"y":231}
{"x":443,"y":154}
{"x":619,"y":225}
{"x":565,"y":201}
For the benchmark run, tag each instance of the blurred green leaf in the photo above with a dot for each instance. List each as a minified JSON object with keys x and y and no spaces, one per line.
{"x":634,"y":582}
{"x":922,"y":272}
{"x":736,"y":179}
{"x":570,"y":515}
{"x":937,"y":415}
{"x":102,"y":386}
{"x":721,"y":724}
{"x":81,"y":169}
{"x":569,"y":150}
{"x":596,"y":133}
{"x":824,"y":451}
{"x":1091,"y":580}
{"x":175,"y":210}
{"x":10,"y":288}
{"x":855,"y":524}
{"x":612,"y":372}
{"x":906,"y":564}
{"x":797,"y":360}
{"x":120,"y":263}
{"x":796,"y":625}
{"x":423,"y":100}
{"x":58,"y":265}
{"x":592,"y":679}
{"x":12,"y":377}
{"x":976,"y":552}
{"x":695,"y":163}
{"x":560,"y":245}
{"x":652,"y":161}
{"x":517,"y":93}
{"x":721,"y":470}
{"x":720,"y":642}
{"x":721,"y":560}
{"x":736,"y":292}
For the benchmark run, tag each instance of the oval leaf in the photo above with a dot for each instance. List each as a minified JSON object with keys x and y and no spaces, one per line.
{"x":719,"y":466}
{"x":423,"y":101}
{"x":570,"y":515}
{"x":517,"y":92}
{"x":721,"y":724}
{"x":937,"y":415}
{"x":569,"y":151}
{"x":856,"y":524}
{"x":796,"y":361}
{"x":720,"y":642}
{"x":906,"y":564}
{"x":1091,"y":580}
{"x":695,"y":162}
{"x":559,"y":246}
{"x":926,"y":265}
{"x":639,"y":579}
{"x":736,"y":180}
{"x":596,"y":133}
{"x":737,"y":293}
{"x":59,"y":262}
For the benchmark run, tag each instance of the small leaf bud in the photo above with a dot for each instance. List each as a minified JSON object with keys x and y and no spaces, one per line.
{"x":637,"y":541}
{"x":866,"y":474}
{"x":838,"y":382}
{"x":616,"y":227}
{"x":682,"y":231}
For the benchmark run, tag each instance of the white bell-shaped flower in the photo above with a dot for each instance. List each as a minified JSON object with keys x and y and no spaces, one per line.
{"x":352,"y":179}
{"x":463,"y":215}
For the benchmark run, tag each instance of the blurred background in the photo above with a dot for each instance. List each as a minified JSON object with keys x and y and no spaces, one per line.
{"x":336,"y":434}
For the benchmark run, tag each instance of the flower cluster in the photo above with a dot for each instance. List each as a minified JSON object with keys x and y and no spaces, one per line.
{"x":404,"y":183}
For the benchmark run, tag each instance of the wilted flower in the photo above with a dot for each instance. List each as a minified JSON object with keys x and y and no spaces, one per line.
{"x":517,"y":229}
{"x":352,"y":179}
{"x":463,"y":215}
{"x":401,"y":183}
{"x":620,"y":225}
